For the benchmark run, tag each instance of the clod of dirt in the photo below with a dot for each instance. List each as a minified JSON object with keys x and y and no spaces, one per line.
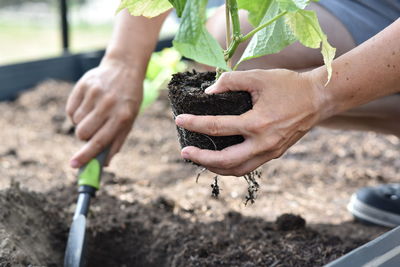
{"x":164,"y":203}
{"x":289,"y":222}
{"x":186,"y":94}
{"x":27,"y":162}
{"x":62,"y":125}
{"x":12,"y":152}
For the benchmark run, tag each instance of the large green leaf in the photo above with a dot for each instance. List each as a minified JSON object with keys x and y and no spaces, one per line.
{"x":147,"y":8}
{"x":256,"y":9}
{"x":194,"y":41}
{"x":179,"y":6}
{"x":271,"y":39}
{"x":292,"y":5}
{"x":306,"y":28}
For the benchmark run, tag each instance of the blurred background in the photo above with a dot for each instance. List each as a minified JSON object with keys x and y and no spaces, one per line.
{"x":31,"y":29}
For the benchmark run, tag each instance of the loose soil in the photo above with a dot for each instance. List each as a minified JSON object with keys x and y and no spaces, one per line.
{"x":186,"y":93}
{"x":151,"y":212}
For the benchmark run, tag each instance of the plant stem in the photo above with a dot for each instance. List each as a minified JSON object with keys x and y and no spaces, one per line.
{"x":228,"y":30}
{"x":233,"y":43}
{"x":233,"y":9}
{"x":262,"y":26}
{"x":237,"y":36}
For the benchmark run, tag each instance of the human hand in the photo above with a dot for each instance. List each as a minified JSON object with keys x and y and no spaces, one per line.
{"x":103,"y":106}
{"x":286,"y":105}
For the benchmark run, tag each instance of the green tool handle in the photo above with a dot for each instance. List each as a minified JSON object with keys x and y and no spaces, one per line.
{"x":90,"y":173}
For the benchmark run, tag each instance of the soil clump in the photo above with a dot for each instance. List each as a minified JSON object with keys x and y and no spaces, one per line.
{"x":186,"y":93}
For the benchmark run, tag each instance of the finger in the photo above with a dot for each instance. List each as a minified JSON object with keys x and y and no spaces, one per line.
{"x":225,"y":159}
{"x":86,"y":106}
{"x":116,"y":146}
{"x":213,"y":125}
{"x":231,"y":81}
{"x":252,"y":164}
{"x":90,"y":125}
{"x":246,"y":167}
{"x":75,"y":99}
{"x":95,"y":119}
{"x":96,"y":144}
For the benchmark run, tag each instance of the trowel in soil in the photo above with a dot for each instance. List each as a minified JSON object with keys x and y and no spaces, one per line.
{"x":89,"y":182}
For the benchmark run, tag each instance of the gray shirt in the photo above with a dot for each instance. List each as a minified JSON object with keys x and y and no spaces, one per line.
{"x":364,"y":18}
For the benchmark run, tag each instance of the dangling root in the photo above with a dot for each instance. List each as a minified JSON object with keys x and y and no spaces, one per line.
{"x":199,"y":173}
{"x":215,"y":188}
{"x":253,"y":185}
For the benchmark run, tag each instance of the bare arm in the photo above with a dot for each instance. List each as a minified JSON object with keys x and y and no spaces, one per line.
{"x":133,"y":40}
{"x":288,"y":104}
{"x":368,"y":72}
{"x":104,"y":103}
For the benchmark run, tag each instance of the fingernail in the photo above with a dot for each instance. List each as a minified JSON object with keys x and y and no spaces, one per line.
{"x":185,"y":153}
{"x":74,"y":163}
{"x":179,"y":120}
{"x":209,"y":89}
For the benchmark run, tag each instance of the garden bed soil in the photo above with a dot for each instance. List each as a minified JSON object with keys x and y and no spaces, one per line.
{"x":151,"y":212}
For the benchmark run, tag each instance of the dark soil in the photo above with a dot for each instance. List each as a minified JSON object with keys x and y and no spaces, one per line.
{"x":186,"y":93}
{"x":136,"y":234}
{"x":151,"y":212}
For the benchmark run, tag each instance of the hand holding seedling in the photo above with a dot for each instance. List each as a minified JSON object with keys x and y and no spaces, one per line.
{"x":287,"y":104}
{"x":285,"y":107}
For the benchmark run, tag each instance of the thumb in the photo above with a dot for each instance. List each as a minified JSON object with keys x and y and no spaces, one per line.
{"x":229,"y":81}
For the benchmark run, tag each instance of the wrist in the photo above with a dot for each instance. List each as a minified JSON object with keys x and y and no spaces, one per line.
{"x":322,"y":95}
{"x":126,"y":63}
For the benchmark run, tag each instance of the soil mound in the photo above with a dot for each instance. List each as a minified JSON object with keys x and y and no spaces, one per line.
{"x":34,"y":229}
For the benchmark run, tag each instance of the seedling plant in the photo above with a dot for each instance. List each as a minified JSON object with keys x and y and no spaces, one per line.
{"x":276,"y":25}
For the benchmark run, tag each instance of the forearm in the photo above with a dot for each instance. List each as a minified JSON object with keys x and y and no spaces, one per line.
{"x":133,"y":41}
{"x":366,"y":73}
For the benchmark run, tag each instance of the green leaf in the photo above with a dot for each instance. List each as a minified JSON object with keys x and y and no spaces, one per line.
{"x":271,"y":39}
{"x":256,"y":9}
{"x":328,"y":53}
{"x":147,"y":8}
{"x":306,"y":28}
{"x":179,"y":6}
{"x":194,"y":41}
{"x":292,"y":5}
